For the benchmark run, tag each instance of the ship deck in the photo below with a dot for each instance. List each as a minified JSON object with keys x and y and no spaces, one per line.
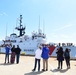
{"x":27,"y":63}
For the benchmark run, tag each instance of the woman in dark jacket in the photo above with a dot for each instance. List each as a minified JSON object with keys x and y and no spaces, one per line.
{"x":60,"y":57}
{"x":67,"y":57}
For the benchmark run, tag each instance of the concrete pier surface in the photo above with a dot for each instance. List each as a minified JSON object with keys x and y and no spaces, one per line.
{"x":26,"y":65}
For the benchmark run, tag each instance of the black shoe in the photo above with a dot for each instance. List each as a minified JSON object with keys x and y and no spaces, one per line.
{"x":33,"y":70}
{"x":68,"y":67}
{"x":58,"y":67}
{"x":17,"y":63}
{"x":38,"y":70}
{"x":46,"y":69}
{"x":43,"y":70}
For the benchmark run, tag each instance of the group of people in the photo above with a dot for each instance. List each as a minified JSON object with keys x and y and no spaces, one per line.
{"x":14,"y":52}
{"x":43,"y":52}
{"x":61,"y":55}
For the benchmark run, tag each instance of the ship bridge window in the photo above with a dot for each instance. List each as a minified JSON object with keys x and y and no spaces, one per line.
{"x":13,"y":40}
{"x":43,"y":36}
{"x":35,"y":37}
{"x":21,"y":41}
{"x":32,"y":37}
{"x":7,"y":40}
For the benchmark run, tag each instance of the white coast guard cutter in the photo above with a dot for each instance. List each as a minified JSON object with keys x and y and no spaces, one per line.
{"x":29,"y":44}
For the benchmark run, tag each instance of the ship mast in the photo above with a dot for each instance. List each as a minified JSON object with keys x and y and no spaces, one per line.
{"x":39,"y":26}
{"x":21,"y":29}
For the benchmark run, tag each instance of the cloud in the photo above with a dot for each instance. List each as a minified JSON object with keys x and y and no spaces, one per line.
{"x":54,"y":35}
{"x":64,"y":27}
{"x":1,"y":38}
{"x":3,"y":14}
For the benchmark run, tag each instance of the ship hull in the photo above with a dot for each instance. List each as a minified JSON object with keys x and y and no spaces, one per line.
{"x":53,"y":49}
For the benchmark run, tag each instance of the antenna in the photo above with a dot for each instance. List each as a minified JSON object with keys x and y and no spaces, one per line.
{"x":17,"y":21}
{"x":39,"y":25}
{"x":43,"y":26}
{"x":13,"y":28}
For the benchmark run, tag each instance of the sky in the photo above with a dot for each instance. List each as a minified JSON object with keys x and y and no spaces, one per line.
{"x":57,"y":18}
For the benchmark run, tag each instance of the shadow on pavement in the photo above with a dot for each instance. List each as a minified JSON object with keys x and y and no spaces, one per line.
{"x":33,"y":73}
{"x":6,"y":64}
{"x":74,"y":65}
{"x":60,"y":70}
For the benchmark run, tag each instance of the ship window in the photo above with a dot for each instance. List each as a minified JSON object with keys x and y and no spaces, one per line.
{"x":21,"y":41}
{"x":13,"y":40}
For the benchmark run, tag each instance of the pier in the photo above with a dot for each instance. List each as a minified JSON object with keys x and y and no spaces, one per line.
{"x":26,"y":65}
